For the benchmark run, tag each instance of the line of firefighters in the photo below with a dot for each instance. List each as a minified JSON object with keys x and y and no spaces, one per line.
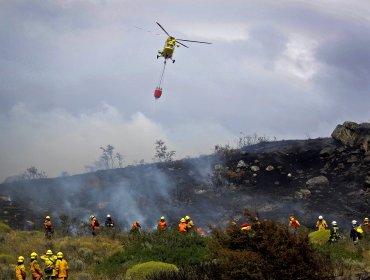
{"x":358,"y":231}
{"x":55,"y":267}
{"x":186,"y":225}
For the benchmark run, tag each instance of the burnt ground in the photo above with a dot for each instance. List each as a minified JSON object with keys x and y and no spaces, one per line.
{"x":272,"y":179}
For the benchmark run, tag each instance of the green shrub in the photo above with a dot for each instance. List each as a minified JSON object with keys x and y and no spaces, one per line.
{"x":7,"y":273}
{"x":86,"y":254}
{"x":319,"y":237}
{"x":7,"y":259}
{"x":76,"y":265}
{"x":4,"y":227}
{"x":141,"y":271}
{"x":169,"y":247}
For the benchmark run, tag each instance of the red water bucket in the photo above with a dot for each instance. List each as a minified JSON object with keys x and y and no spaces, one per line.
{"x":157,"y":92}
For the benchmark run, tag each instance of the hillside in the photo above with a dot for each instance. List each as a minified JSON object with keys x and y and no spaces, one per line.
{"x":326,"y":176}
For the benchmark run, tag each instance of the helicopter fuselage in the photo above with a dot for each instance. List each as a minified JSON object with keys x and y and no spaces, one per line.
{"x":169,"y":48}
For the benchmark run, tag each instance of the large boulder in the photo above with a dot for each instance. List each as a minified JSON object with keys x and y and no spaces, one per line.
{"x":352,"y":134}
{"x":346,"y":133}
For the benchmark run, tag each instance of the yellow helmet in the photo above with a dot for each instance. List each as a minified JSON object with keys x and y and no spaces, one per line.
{"x":92,"y":217}
{"x":60,"y":255}
{"x":162,"y":218}
{"x":20,"y":259}
{"x":47,"y":218}
{"x":187,"y":218}
{"x":33,"y":255}
{"x":182,"y":220}
{"x":291,"y":218}
{"x":366,"y":219}
{"x":49,"y":252}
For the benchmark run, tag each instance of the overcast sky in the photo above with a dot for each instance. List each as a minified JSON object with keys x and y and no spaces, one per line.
{"x":77,"y":75}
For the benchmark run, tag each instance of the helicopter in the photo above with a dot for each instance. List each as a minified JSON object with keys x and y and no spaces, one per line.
{"x":167,"y":53}
{"x":171,"y":43}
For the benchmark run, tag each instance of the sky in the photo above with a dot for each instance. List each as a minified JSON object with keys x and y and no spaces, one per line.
{"x":78,"y":75}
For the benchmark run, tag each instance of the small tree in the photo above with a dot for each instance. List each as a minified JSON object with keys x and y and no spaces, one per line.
{"x":162,"y":154}
{"x":108,"y":160}
{"x":33,"y":173}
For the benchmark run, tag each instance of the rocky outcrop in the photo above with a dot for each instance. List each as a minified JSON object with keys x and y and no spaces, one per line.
{"x":351,"y":134}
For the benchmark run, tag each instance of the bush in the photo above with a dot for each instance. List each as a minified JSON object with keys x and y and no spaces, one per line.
{"x":169,"y":247}
{"x":4,"y":227}
{"x":76,"y":265}
{"x":7,"y":259}
{"x":204,"y":271}
{"x":270,"y":251}
{"x":86,"y":254}
{"x":6,"y":273}
{"x":141,"y":271}
{"x":320,"y":236}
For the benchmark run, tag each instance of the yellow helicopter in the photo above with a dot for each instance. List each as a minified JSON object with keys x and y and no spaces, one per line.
{"x":171,"y":43}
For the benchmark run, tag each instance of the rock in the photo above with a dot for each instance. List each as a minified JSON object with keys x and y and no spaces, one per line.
{"x":256,"y":161}
{"x":367,"y":180}
{"x":276,"y":183}
{"x":289,"y":175}
{"x":241,"y":164}
{"x":254,"y":175}
{"x":352,"y":159}
{"x":303,"y":194}
{"x":340,"y":166}
{"x":327,"y":151}
{"x":218,"y":167}
{"x":346,"y":133}
{"x":317,"y":182}
{"x":269,"y":168}
{"x":367,"y":159}
{"x":255,"y":168}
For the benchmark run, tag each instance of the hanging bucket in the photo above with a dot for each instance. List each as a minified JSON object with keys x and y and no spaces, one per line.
{"x":157,"y":92}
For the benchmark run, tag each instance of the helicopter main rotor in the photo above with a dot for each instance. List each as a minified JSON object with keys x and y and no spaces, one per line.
{"x":182,"y":40}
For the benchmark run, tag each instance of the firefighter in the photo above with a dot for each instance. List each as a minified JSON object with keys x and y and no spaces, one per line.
{"x":61,"y":267}
{"x":183,"y":226}
{"x":35,"y":269}
{"x":95,"y":226}
{"x":162,"y":225}
{"x":48,"y":226}
{"x":334,"y":232}
{"x":189,"y":224}
{"x":366,"y":227}
{"x":321,"y":224}
{"x":20,"y":270}
{"x":49,"y":265}
{"x":293,"y":222}
{"x":135,"y":227}
{"x":356,"y":232}
{"x":109,"y":222}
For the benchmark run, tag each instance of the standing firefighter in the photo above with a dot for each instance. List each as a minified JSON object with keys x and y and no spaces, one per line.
{"x":35,"y":269}
{"x":48,"y":227}
{"x":95,"y":226}
{"x":109,"y":222}
{"x":135,"y":227}
{"x":61,"y":267}
{"x":49,"y":265}
{"x":20,"y":270}
{"x":189,"y":224}
{"x":356,"y":232}
{"x":321,"y":224}
{"x":334,"y":232}
{"x":183,"y":226}
{"x":293,"y":222}
{"x":162,"y":225}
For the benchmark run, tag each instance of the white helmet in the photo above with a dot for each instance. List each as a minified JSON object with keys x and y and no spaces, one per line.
{"x":108,"y":215}
{"x":354,"y":222}
{"x":320,"y":217}
{"x":334,"y":223}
